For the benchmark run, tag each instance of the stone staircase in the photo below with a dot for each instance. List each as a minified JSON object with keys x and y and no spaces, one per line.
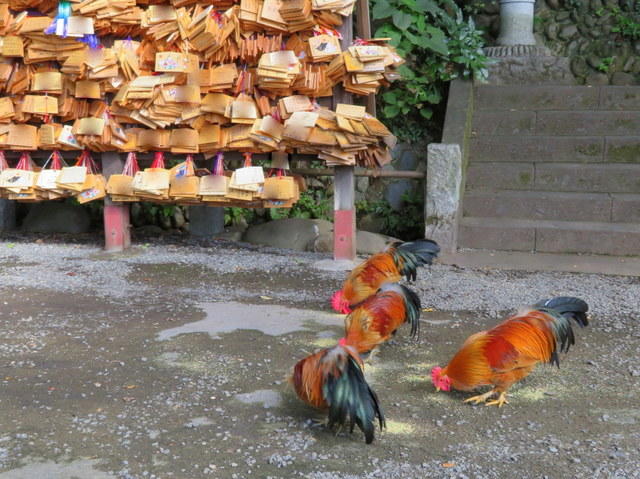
{"x":553,"y":169}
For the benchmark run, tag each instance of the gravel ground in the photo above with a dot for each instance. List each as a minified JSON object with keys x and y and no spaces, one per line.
{"x":89,"y":391}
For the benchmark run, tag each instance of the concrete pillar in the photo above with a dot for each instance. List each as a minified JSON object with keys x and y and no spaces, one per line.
{"x":443,"y":194}
{"x":206,"y":221}
{"x":117,"y":228}
{"x":7,"y":215}
{"x":516,"y":22}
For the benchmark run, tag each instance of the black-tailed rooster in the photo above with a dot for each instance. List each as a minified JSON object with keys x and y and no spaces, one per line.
{"x":508,"y":352}
{"x":332,"y":380}
{"x":389,"y":266}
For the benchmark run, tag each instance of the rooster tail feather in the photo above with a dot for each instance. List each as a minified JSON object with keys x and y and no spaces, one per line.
{"x":414,"y":254}
{"x":563,"y":309}
{"x":350,"y":399}
{"x":414,"y":308}
{"x":412,"y":304}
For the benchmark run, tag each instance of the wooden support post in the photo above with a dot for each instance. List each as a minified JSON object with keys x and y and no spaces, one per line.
{"x":117,"y":232}
{"x":344,"y":214}
{"x":7,"y":215}
{"x":206,"y":221}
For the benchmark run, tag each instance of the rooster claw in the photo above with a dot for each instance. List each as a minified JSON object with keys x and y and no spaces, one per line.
{"x":481,"y":397}
{"x":501,"y":401}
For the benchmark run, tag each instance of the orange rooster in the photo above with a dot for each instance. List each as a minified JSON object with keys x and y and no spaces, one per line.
{"x":332,"y":379}
{"x":396,"y":261}
{"x":507,"y":353}
{"x":377,"y":319}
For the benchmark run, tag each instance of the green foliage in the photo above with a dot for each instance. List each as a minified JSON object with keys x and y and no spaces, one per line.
{"x":313,"y":204}
{"x":407,"y":224}
{"x":439,"y":45}
{"x":234,"y":215}
{"x":627,"y":24}
{"x":606,"y":64}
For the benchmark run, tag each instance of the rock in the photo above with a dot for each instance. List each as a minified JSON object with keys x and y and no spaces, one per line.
{"x":553,"y":4}
{"x":56,"y":217}
{"x":562,"y":16}
{"x":597,"y":78}
{"x":164,"y":221}
{"x":137,"y":217}
{"x":621,"y":78}
{"x":594,"y":61}
{"x":229,"y":235}
{"x":291,"y":233}
{"x":372,"y":223}
{"x":595,"y":5}
{"x":148,"y":230}
{"x":579,"y":67}
{"x":371,"y":243}
{"x":628,"y":65}
{"x":362,"y":183}
{"x":395,"y":191}
{"x":177,"y":218}
{"x":552,"y":31}
{"x":568,"y":32}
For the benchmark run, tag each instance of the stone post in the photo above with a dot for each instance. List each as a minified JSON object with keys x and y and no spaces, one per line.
{"x":206,"y":221}
{"x":7,"y":215}
{"x":516,"y":22}
{"x":443,"y":195}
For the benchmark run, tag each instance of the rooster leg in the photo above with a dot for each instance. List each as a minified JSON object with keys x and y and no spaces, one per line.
{"x":481,"y":397}
{"x":502,"y":400}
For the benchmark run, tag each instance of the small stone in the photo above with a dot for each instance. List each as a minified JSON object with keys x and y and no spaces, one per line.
{"x":568,"y":32}
{"x":597,"y":79}
{"x":562,"y":16}
{"x":553,"y":449}
{"x":621,"y":78}
{"x":605,"y":417}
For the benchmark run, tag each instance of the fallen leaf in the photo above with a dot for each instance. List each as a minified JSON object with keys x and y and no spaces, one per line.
{"x":428,"y":310}
{"x":448,"y":464}
{"x":11,"y":245}
{"x":266,"y":298}
{"x":130,"y":386}
{"x":128,"y":399}
{"x":71,"y":273}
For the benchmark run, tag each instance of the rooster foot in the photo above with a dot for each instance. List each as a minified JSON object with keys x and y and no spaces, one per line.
{"x":502,"y":400}
{"x":481,"y":397}
{"x":317,"y":422}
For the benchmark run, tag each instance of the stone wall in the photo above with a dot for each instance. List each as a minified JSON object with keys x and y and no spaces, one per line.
{"x":584,"y":31}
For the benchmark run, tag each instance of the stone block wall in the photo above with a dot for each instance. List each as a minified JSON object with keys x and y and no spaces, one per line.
{"x":584,"y":31}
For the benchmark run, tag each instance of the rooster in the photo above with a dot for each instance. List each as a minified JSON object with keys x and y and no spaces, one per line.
{"x":332,"y":380}
{"x":389,"y":266}
{"x":378,"y":318}
{"x":508,"y":352}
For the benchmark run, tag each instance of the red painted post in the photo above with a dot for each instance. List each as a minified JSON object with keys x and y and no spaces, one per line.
{"x":344,"y":210}
{"x":117,"y":232}
{"x":344,"y":244}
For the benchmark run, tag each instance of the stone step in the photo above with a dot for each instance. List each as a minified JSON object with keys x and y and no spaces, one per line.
{"x":541,"y":97}
{"x":555,"y":123}
{"x":559,"y":177}
{"x":573,"y":149}
{"x":534,"y":205}
{"x":546,"y":236}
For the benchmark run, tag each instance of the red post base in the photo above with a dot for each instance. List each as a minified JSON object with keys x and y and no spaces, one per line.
{"x":344,"y":234}
{"x":117,"y":236}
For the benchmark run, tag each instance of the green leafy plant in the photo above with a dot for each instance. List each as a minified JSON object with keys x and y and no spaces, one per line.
{"x":439,"y":45}
{"x":313,"y":204}
{"x":627,"y":24}
{"x":406,"y":224}
{"x":605,"y":64}
{"x":234,"y":215}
